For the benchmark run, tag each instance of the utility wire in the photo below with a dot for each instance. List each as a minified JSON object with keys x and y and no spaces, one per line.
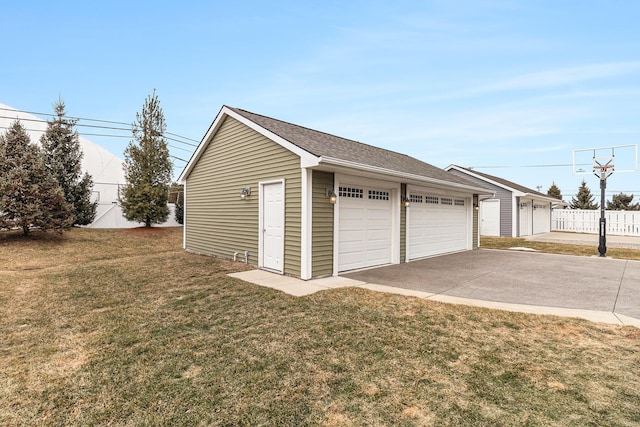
{"x":93,"y":120}
{"x":88,"y":119}
{"x":115,"y":136}
{"x":99,"y":127}
{"x":528,"y":166}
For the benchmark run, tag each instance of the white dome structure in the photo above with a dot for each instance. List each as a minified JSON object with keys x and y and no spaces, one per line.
{"x":104,"y":167}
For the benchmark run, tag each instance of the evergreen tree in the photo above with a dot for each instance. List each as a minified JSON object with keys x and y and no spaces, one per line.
{"x":554,"y":191}
{"x":147,"y":167}
{"x":176,"y":196}
{"x":584,"y":199}
{"x":179,"y":215}
{"x":30,"y":196}
{"x":63,"y":156}
{"x":622,"y":202}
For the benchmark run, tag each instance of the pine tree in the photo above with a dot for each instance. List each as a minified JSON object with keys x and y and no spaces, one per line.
{"x":622,"y":202}
{"x":584,"y":199}
{"x":179,"y":214}
{"x":176,"y":196}
{"x":63,"y":156}
{"x":554,"y":191}
{"x":30,"y":196}
{"x":147,"y":168}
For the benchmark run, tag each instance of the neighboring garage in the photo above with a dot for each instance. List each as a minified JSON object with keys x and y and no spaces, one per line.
{"x":436,"y":224}
{"x":513,"y":210}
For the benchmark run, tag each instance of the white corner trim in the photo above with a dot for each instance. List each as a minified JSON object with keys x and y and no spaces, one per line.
{"x":515,"y":214}
{"x":306,"y":255}
{"x":184,"y":216}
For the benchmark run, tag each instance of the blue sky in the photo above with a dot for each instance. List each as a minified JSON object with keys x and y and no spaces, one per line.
{"x":515,"y":85}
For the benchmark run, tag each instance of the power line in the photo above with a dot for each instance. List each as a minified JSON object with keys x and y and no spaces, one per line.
{"x":98,"y":127}
{"x":93,"y":120}
{"x":113,"y":136}
{"x":528,"y":166}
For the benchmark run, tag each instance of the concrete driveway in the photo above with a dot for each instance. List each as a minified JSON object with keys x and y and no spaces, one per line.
{"x":524,"y":278}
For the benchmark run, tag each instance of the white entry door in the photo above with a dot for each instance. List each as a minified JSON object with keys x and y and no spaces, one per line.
{"x":490,"y":213}
{"x":272,"y":211}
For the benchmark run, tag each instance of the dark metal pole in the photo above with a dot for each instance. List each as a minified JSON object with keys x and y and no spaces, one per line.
{"x":602,"y":247}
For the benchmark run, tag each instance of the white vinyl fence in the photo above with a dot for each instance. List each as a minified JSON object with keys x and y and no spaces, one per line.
{"x":620,"y":223}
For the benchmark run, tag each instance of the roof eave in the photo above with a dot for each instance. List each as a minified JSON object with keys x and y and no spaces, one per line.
{"x":403,"y":175}
{"x":540,"y":197}
{"x":306,"y":159}
{"x":515,"y":191}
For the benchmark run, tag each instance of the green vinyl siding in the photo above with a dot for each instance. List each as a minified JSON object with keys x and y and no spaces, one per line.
{"x":217,"y":221}
{"x":322,"y":228}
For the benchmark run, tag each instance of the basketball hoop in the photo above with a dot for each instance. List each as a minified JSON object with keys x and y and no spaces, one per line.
{"x":604,"y":170}
{"x":602,"y":160}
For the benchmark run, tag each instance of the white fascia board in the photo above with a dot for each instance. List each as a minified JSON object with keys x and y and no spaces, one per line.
{"x":540,"y":197}
{"x":201,"y":147}
{"x":306,"y":159}
{"x":406,"y":176}
{"x":516,"y":193}
{"x":490,"y":181}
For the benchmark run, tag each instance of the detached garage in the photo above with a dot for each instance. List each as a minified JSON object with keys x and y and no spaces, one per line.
{"x":513,"y":210}
{"x":304,"y":203}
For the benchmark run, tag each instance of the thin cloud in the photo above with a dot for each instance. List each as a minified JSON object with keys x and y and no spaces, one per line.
{"x":564,"y":76}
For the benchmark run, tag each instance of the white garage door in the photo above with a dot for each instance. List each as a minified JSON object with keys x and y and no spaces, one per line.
{"x":364,"y":227}
{"x":541,"y":218}
{"x":436,"y":225}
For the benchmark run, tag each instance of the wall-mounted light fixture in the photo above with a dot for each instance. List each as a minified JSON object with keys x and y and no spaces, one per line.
{"x":245,"y":193}
{"x":475,"y":206}
{"x":333,"y":197}
{"x":405,"y":202}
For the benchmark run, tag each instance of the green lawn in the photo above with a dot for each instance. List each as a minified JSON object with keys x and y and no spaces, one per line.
{"x":107,"y":327}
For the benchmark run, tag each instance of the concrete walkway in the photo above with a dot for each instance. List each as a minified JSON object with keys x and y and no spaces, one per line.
{"x":596,"y":289}
{"x":626,"y":242}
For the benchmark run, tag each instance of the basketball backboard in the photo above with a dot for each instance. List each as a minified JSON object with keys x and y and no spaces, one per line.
{"x":623,"y":158}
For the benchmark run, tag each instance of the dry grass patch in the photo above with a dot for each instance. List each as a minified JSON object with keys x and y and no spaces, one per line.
{"x":556,"y":248}
{"x":121,"y":328}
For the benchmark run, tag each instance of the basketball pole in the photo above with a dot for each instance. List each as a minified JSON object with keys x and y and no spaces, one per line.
{"x":604,"y":174}
{"x":602,"y":245}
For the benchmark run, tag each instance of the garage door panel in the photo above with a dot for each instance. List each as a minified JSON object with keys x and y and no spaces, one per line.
{"x":541,"y":218}
{"x":364,"y":227}
{"x":437,"y":227}
{"x":352,"y":236}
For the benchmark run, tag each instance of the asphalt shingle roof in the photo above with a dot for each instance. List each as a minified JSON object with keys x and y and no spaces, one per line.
{"x":505,"y":182}
{"x":322,"y":144}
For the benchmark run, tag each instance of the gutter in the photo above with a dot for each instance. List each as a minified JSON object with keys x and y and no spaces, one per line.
{"x":375,"y":169}
{"x":539,"y":197}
